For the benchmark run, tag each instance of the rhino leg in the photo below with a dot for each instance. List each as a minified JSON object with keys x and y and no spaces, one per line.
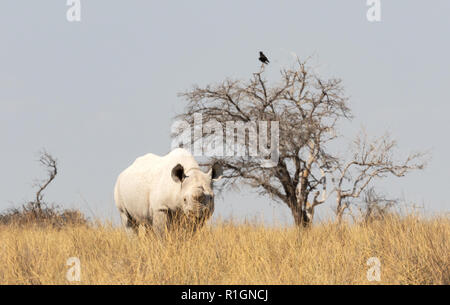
{"x":128,"y":223}
{"x":160,"y":223}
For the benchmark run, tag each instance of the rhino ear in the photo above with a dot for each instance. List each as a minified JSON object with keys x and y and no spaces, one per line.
{"x":178,"y":173}
{"x":216,"y":172}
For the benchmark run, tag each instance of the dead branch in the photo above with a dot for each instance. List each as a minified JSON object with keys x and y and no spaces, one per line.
{"x":46,"y":160}
{"x":372,"y":159}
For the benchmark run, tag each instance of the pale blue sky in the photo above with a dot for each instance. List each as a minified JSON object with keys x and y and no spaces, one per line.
{"x":101,"y":92}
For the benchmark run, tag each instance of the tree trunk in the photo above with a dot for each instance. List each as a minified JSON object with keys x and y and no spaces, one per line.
{"x":298,"y":213}
{"x":339,"y":207}
{"x":300,"y":201}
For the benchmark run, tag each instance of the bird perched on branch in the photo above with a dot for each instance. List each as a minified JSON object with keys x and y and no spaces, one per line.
{"x":263,"y":58}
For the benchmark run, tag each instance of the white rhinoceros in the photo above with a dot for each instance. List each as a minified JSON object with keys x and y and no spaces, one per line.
{"x":159,"y":191}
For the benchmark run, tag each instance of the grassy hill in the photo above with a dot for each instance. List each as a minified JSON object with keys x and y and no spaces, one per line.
{"x":411,"y":250}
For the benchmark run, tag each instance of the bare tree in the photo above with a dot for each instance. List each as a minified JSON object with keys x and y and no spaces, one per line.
{"x":375,"y":205}
{"x":50,"y":163}
{"x":307,"y":109}
{"x":371,"y":159}
{"x":40,"y":212}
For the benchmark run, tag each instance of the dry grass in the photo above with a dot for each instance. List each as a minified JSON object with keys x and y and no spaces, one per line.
{"x":411,"y":251}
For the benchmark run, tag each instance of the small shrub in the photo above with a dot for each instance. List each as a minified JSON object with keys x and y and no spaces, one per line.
{"x":46,"y":216}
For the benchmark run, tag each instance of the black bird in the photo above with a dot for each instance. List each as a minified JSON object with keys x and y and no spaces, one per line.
{"x":263,"y":58}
